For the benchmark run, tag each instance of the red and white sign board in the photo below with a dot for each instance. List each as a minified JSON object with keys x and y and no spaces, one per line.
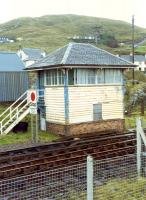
{"x":32,"y":96}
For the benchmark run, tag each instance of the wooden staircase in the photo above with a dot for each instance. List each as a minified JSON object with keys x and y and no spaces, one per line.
{"x":14,"y":114}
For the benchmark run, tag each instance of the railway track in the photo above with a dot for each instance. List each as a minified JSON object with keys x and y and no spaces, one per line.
{"x":25,"y":161}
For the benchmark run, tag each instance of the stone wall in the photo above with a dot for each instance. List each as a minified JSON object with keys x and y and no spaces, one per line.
{"x":33,"y":78}
{"x":86,"y":128}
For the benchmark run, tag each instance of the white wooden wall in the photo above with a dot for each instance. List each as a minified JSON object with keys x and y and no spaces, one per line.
{"x":54,"y":101}
{"x":81,"y":100}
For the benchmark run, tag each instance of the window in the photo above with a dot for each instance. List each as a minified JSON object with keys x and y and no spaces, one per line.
{"x":71,"y":77}
{"x":54,"y":77}
{"x":41,"y":79}
{"x":113,"y":76}
{"x":99,"y":76}
{"x":85,"y":76}
{"x":60,"y":79}
{"x":97,"y":112}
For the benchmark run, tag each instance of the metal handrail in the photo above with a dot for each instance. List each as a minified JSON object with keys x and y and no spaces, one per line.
{"x":11,"y":115}
{"x":16,"y":114}
{"x":11,"y":111}
{"x":13,"y":104}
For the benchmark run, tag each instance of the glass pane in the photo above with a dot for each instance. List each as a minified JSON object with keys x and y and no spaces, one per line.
{"x":119,"y":76}
{"x":54,"y":77}
{"x":85,"y":76}
{"x":100,"y":76}
{"x":71,"y":77}
{"x":60,"y":77}
{"x":41,"y":79}
{"x":113,"y":76}
{"x":91,"y":76}
{"x":109,"y":76}
{"x":48,"y":78}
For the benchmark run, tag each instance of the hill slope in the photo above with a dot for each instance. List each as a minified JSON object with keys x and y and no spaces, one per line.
{"x":51,"y":32}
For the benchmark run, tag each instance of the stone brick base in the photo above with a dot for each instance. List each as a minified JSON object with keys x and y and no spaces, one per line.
{"x":86,"y":128}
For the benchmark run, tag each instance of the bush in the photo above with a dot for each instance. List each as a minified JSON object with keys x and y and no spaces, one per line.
{"x":138,"y":75}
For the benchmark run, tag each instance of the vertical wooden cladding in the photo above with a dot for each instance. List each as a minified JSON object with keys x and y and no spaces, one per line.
{"x":82,"y":98}
{"x":54,"y":102}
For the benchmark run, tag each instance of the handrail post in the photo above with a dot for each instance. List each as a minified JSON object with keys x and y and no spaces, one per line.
{"x":139,"y":145}
{"x":10,"y":112}
{"x":89,"y":178}
{"x":1,"y":128}
{"x":17,"y":114}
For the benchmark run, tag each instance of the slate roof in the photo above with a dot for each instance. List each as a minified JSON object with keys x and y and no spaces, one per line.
{"x":33,"y":54}
{"x":80,"y":54}
{"x":10,"y":61}
{"x":137,"y":58}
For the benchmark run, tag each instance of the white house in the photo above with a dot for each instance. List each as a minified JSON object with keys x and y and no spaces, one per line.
{"x":30,"y":55}
{"x":83,"y":89}
{"x":139,"y":60}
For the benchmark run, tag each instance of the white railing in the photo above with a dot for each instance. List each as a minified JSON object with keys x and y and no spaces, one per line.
{"x":15,"y":116}
{"x":14,"y":104}
{"x":11,"y":114}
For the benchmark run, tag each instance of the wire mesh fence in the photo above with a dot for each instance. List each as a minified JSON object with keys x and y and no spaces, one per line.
{"x":57,"y":184}
{"x":113,"y":179}
{"x":117,"y":179}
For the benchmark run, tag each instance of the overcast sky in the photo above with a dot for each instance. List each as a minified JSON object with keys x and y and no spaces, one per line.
{"x":113,"y":9}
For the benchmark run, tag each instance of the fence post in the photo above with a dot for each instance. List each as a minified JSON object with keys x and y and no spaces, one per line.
{"x":89,"y":178}
{"x":138,"y":138}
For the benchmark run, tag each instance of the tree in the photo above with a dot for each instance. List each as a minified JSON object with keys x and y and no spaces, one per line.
{"x":109,"y":40}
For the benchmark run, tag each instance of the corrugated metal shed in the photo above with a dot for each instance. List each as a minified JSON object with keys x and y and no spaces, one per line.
{"x":10,"y":61}
{"x":13,"y":80}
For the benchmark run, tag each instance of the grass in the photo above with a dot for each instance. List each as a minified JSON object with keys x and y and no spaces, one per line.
{"x":128,"y":189}
{"x":52,"y":31}
{"x":122,"y":189}
{"x":130,"y":122}
{"x":18,"y":138}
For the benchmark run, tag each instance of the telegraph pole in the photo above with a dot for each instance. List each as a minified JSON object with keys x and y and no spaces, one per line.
{"x":133,"y":46}
{"x":97,"y":33}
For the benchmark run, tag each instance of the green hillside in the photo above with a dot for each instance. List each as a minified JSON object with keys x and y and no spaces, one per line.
{"x":51,"y":32}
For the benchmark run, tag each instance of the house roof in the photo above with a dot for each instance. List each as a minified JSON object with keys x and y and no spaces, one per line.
{"x":80,"y":54}
{"x":10,"y":61}
{"x":33,"y":54}
{"x":137,"y":58}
